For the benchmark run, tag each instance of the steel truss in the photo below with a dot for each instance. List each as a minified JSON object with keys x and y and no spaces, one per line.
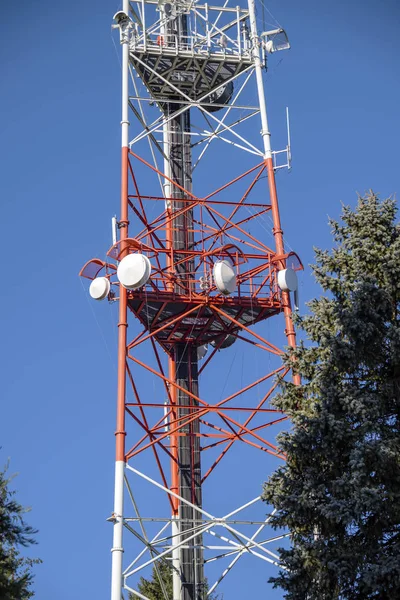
{"x":162,"y":413}
{"x":231,"y":542}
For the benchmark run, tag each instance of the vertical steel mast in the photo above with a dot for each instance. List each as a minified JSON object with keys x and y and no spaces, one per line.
{"x":188,"y":579}
{"x":120,"y":433}
{"x":199,"y":265}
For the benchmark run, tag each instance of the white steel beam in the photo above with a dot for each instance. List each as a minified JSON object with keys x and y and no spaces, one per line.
{"x":191,"y":104}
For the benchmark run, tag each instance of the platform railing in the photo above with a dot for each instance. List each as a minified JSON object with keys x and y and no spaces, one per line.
{"x":195,"y":45}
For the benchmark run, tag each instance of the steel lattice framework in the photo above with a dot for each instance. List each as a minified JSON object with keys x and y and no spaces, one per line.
{"x":188,"y":63}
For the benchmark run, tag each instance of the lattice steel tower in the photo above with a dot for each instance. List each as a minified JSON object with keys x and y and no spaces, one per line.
{"x":193,"y":270}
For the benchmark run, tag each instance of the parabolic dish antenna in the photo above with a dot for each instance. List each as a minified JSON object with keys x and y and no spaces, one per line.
{"x":228,"y":341}
{"x":134,"y":271}
{"x":224,"y":277}
{"x":202,"y":351}
{"x":287,"y":280}
{"x":99,"y":288}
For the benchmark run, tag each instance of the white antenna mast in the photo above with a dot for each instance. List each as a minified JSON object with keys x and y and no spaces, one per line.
{"x":289,"y":151}
{"x":114,"y":230}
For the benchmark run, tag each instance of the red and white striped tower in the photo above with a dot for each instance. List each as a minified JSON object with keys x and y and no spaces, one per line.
{"x":120,"y":433}
{"x":192,"y":272}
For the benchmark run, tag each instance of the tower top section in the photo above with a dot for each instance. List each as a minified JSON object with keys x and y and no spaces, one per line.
{"x":193,"y":52}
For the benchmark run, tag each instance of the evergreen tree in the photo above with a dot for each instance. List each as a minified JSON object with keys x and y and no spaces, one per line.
{"x":152,"y":588}
{"x":339,"y":491}
{"x":15,"y":570}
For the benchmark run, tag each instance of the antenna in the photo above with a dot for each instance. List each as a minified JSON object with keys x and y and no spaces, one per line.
{"x":289,"y":150}
{"x":114,"y":230}
{"x":296,"y":299}
{"x":287,"y":153}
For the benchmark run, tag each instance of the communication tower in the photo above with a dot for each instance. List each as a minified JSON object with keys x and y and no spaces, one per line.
{"x":197,"y":267}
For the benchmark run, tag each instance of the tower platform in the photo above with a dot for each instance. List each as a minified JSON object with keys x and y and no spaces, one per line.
{"x":193,"y":61}
{"x":172,"y":318}
{"x":171,"y":76}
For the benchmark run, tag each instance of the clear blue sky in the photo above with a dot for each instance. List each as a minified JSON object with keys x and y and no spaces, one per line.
{"x":60,"y":138}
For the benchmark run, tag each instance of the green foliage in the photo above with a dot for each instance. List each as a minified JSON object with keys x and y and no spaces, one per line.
{"x":15,"y":570}
{"x":339,"y":491}
{"x":153,"y":589}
